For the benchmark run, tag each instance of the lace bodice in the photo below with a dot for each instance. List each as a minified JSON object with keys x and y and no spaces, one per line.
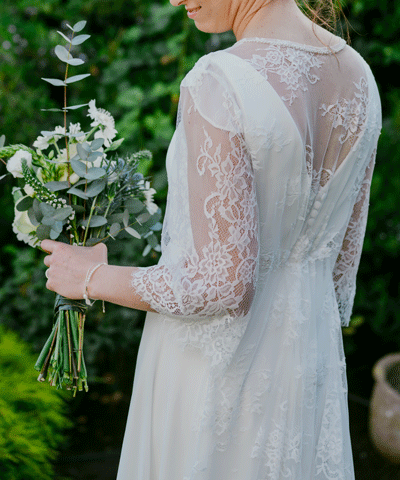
{"x":271,"y":161}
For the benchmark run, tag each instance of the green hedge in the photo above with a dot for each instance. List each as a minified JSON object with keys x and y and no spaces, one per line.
{"x":32,"y":416}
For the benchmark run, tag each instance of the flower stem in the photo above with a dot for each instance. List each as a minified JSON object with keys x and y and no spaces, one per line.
{"x":90,"y":217}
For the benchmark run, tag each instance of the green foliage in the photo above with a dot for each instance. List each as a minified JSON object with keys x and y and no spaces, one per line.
{"x":32,"y":420}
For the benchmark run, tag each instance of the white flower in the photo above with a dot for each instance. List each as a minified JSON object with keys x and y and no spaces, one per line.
{"x":58,"y":133}
{"x":62,"y":157}
{"x":23,"y":227}
{"x":103,"y":119}
{"x":14,"y":164}
{"x":148,"y":194}
{"x":29,"y":190}
{"x":75,"y":128}
{"x":41,"y":143}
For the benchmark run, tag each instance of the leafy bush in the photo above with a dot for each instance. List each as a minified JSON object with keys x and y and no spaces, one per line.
{"x":32,"y":419}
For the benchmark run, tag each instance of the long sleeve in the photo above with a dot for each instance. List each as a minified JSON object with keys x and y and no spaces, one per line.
{"x":347,"y":263}
{"x":212,"y":269}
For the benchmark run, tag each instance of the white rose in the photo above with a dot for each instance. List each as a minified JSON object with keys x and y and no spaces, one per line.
{"x":23,"y":227}
{"x":14,"y":164}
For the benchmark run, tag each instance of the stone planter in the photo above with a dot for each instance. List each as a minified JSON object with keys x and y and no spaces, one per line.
{"x":384,"y":415}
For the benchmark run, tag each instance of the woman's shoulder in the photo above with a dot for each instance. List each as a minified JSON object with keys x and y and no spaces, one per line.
{"x":222,"y":66}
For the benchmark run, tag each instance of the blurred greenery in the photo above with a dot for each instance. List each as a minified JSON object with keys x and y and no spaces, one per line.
{"x":137,"y":55}
{"x":33,"y":419}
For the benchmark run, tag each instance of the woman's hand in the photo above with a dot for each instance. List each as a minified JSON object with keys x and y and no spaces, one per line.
{"x":68,"y":266}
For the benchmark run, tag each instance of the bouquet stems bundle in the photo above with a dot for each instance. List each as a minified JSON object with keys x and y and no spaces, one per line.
{"x":62,"y":355}
{"x":71,"y":190}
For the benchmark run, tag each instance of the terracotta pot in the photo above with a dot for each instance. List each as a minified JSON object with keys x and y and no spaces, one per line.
{"x":384,"y":415}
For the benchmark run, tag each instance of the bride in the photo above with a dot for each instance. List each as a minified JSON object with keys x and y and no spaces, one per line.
{"x":241,"y":373}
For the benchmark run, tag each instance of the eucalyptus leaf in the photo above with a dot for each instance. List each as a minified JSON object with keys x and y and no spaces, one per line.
{"x":32,"y":217}
{"x":51,"y":110}
{"x":95,"y":221}
{"x":132,"y":232}
{"x":79,"y":26}
{"x":94,"y":173}
{"x":144,"y":217}
{"x":94,"y":156}
{"x":79,"y":39}
{"x":62,"y":53}
{"x":47,"y":133}
{"x":90,"y":242}
{"x":78,"y":167}
{"x":147,"y":250}
{"x":115,"y":229}
{"x":75,"y":107}
{"x":77,"y":78}
{"x":55,"y":81}
{"x":2,"y":141}
{"x":58,"y":226}
{"x":82,"y":151}
{"x":56,"y":186}
{"x":37,"y":210}
{"x":80,"y":182}
{"x":156,"y":227}
{"x":125,"y":218}
{"x":54,"y":234}
{"x":115,"y":218}
{"x":64,"y":36}
{"x":43,"y":232}
{"x":96,"y":187}
{"x":24,"y":204}
{"x":78,"y":193}
{"x":134,"y":205}
{"x":97,"y":143}
{"x":49,"y":221}
{"x":63,"y":213}
{"x":152,"y":240}
{"x":115,"y":145}
{"x":47,"y":209}
{"x":75,"y":62}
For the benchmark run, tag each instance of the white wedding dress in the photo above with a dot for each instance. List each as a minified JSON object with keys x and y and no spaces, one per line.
{"x":241,"y":373}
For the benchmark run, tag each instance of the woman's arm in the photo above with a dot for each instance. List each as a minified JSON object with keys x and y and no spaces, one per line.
{"x":68,"y":267}
{"x":214,"y":274}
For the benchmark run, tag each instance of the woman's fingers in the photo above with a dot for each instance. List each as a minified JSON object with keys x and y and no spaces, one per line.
{"x":48,"y":245}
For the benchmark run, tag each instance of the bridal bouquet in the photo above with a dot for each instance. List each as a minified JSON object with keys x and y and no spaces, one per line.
{"x":72,"y":187}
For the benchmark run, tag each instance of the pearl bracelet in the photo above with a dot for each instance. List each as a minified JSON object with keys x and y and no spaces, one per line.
{"x":89,"y":275}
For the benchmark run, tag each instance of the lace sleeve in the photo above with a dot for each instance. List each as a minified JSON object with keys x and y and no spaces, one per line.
{"x":347,"y":263}
{"x":215,"y":275}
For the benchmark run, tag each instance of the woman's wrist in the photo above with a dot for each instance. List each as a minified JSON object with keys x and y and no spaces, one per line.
{"x":92,"y":285}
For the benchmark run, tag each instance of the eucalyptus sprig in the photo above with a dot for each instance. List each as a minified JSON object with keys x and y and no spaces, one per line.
{"x":64,"y":54}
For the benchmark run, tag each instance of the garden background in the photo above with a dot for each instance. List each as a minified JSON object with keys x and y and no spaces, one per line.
{"x":138,"y":53}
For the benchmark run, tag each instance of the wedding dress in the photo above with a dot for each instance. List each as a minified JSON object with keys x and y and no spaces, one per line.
{"x":241,"y":373}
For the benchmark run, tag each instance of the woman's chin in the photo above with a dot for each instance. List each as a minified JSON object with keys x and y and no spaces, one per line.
{"x":209,"y":28}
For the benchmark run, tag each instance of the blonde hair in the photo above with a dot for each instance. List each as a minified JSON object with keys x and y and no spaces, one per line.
{"x":328,"y":14}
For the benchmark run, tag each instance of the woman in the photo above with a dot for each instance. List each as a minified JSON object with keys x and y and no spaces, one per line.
{"x":241,"y":372}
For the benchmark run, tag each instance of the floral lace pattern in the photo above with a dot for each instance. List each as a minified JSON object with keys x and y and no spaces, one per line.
{"x":296,"y":69}
{"x":349,"y":114}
